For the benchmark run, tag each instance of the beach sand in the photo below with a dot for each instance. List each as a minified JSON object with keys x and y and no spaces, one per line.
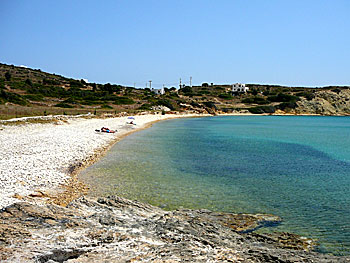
{"x":40,"y":159}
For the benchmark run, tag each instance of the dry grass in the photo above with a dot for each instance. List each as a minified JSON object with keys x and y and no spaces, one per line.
{"x":16,"y":111}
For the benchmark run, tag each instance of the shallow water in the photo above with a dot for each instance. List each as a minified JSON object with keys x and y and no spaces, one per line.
{"x":294,"y":167}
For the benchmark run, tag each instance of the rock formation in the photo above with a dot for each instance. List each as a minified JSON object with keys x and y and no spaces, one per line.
{"x":115,"y":229}
{"x":326,"y":102}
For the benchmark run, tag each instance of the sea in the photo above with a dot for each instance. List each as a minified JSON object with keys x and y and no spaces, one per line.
{"x":296,"y":167}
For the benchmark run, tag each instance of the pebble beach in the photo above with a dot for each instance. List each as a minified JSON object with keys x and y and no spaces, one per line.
{"x":38,"y":156}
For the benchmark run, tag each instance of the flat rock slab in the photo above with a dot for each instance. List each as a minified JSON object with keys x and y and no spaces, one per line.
{"x":115,"y":229}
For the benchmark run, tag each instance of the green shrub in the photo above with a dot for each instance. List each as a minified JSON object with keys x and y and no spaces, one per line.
{"x":287,"y":105}
{"x":51,"y":82}
{"x":282,"y":97}
{"x":106,"y":106}
{"x":34,"y":97}
{"x":165,"y":103}
{"x":17,"y":85}
{"x":75,"y":83}
{"x":262,"y":109}
{"x":29,"y":82}
{"x":210,"y":104}
{"x":8,"y":76}
{"x":336,"y":90}
{"x":226,"y":96}
{"x":220,"y":88}
{"x":195,"y":104}
{"x":307,"y":95}
{"x":145,"y":106}
{"x":13,"y":98}
{"x":123,"y":101}
{"x":90,"y":102}
{"x":186,"y":90}
{"x":63,"y":105}
{"x":256,"y":100}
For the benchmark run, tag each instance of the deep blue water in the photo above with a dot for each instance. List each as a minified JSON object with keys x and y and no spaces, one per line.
{"x":294,"y":167}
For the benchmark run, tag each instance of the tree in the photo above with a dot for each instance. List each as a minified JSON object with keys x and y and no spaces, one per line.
{"x":29,"y":82}
{"x":8,"y":76}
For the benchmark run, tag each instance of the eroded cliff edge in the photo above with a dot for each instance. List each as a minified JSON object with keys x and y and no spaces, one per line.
{"x":115,"y":229}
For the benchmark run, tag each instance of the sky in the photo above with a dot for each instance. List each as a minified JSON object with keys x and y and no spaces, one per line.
{"x":129,"y":42}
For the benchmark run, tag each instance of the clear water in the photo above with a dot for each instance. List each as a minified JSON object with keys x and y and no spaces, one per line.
{"x":294,"y":167}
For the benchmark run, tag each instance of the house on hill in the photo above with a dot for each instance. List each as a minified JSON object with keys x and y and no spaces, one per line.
{"x":239,"y":88}
{"x":158,"y":91}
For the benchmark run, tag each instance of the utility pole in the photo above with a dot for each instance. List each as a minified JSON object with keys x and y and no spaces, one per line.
{"x":150,"y":84}
{"x":191,"y":82}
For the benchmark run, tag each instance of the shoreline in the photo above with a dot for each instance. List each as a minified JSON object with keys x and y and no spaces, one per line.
{"x":59,"y":184}
{"x":68,"y":192}
{"x":40,"y":161}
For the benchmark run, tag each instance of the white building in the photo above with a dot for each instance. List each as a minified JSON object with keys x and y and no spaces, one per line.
{"x":158,"y":91}
{"x":239,"y":87}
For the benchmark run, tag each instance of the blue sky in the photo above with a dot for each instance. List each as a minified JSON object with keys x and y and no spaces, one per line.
{"x":296,"y":43}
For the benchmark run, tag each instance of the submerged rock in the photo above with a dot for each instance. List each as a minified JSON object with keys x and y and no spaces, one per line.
{"x":115,"y":229}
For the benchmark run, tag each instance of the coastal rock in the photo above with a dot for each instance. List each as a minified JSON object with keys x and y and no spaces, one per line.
{"x":330,"y":102}
{"x":115,"y":229}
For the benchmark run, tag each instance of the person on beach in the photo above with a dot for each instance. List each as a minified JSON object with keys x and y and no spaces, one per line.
{"x":104,"y":129}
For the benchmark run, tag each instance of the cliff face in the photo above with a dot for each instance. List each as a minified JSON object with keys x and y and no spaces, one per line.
{"x":114,"y":229}
{"x":326,"y":103}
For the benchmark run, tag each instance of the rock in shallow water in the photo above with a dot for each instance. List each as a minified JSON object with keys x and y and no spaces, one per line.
{"x":115,"y":229}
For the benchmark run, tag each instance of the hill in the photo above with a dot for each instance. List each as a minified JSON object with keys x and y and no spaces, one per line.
{"x":28,"y":92}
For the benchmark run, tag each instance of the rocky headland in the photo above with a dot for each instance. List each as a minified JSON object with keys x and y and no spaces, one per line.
{"x":115,"y":229}
{"x":326,"y":102}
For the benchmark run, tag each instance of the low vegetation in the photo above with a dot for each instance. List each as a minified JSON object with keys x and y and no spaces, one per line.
{"x":25,"y":92}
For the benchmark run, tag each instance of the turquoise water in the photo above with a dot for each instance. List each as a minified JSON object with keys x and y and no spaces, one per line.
{"x":294,"y":167}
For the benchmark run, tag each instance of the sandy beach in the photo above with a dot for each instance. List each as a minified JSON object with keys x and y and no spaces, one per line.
{"x":41,"y":156}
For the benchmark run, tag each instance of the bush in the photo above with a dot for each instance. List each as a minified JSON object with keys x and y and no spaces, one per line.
{"x":282,"y":97}
{"x":35,"y":97}
{"x":106,"y":106}
{"x":75,"y":83}
{"x":256,"y":100}
{"x":123,"y":101}
{"x":13,"y":98}
{"x":186,"y":90}
{"x":145,"y":106}
{"x":210,"y":104}
{"x":63,"y":105}
{"x":307,"y":95}
{"x":195,"y":104}
{"x":204,"y":92}
{"x":287,"y":105}
{"x":165,"y":103}
{"x":8,"y":76}
{"x":29,"y":82}
{"x":262,"y":109}
{"x":18,"y":85}
{"x":336,"y":90}
{"x":50,"y":82}
{"x":226,"y":96}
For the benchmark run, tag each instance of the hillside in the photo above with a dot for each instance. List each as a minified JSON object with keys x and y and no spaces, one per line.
{"x":26,"y":92}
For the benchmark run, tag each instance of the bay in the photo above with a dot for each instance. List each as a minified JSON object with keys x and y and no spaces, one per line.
{"x":296,"y":167}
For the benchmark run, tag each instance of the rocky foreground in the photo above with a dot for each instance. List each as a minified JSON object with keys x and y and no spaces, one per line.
{"x":114,"y":229}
